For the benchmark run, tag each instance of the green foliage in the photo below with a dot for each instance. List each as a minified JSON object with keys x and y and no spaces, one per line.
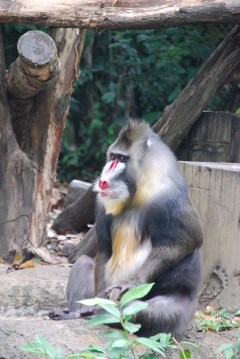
{"x":231,"y":350}
{"x":221,"y":320}
{"x":42,"y":347}
{"x":119,"y":344}
{"x":122,"y":344}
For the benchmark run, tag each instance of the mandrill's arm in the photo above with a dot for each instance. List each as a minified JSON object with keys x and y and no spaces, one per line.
{"x":104,"y":252}
{"x":175,"y":233}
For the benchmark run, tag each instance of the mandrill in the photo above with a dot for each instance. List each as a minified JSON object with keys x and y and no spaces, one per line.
{"x":147,"y":232}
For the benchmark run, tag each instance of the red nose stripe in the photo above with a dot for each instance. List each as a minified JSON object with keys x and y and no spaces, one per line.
{"x":103,"y":184}
{"x":113,"y":166}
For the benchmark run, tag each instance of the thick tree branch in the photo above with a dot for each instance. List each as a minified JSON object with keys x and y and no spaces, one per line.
{"x":36,"y":65}
{"x":178,"y":118}
{"x":35,"y":70}
{"x":119,"y":14}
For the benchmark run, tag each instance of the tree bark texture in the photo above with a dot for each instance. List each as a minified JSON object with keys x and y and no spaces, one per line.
{"x":178,"y":118}
{"x":27,"y":169}
{"x":77,"y":215}
{"x":35,"y":70}
{"x":119,"y":14}
{"x":15,"y":169}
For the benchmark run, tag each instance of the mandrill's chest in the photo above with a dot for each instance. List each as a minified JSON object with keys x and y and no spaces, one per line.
{"x":129,"y":252}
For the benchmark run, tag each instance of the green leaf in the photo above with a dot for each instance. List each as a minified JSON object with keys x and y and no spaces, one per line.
{"x":152,"y":344}
{"x":229,"y":354}
{"x":224,"y":347}
{"x":118,"y":353}
{"x":112,"y":309}
{"x":148,"y":355}
{"x":185,"y":354}
{"x":191,"y":345}
{"x":102,"y":319}
{"x":108,"y":97}
{"x":114,"y":335}
{"x":96,"y":349}
{"x":135,"y":293}
{"x":81,"y":355}
{"x":31,"y":348}
{"x":131,"y":328}
{"x":134,"y":308}
{"x":121,"y":343}
{"x":90,"y":353}
{"x":163,"y":338}
{"x":96,"y":301}
{"x":42,"y":346}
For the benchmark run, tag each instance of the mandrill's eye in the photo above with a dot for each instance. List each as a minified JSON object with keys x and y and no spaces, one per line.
{"x":122,"y":158}
{"x":119,"y":157}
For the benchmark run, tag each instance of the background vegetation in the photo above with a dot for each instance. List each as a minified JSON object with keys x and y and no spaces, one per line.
{"x":127,"y":74}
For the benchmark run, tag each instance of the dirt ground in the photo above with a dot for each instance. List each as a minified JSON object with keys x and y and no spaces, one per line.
{"x":27,"y":295}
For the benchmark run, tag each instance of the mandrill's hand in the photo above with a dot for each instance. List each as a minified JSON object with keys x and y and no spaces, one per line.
{"x":116,"y":291}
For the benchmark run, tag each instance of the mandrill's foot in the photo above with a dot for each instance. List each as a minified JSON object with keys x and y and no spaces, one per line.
{"x":65,"y":314}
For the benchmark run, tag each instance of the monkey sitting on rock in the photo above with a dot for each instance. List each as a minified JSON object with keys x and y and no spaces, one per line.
{"x":147,"y":232}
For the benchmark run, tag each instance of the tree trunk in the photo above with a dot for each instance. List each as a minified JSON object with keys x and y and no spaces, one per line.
{"x":15,"y":168}
{"x":77,"y":215}
{"x":27,"y":168}
{"x":178,"y":118}
{"x":119,"y":14}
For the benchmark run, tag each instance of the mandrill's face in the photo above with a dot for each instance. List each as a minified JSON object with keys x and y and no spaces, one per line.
{"x":112,"y":181}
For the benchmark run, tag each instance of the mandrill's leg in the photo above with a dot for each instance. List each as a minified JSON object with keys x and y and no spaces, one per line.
{"x":168,"y":313}
{"x":81,"y":285}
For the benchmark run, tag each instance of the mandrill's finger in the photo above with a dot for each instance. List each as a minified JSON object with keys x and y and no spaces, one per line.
{"x":87,"y":311}
{"x":109,"y":289}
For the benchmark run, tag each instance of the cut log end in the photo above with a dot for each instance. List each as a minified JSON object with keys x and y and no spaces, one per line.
{"x":37,"y":48}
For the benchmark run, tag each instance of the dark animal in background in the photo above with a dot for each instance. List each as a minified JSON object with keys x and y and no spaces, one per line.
{"x":147,"y":232}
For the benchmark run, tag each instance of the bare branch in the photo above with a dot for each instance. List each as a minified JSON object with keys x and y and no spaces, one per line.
{"x":119,"y":14}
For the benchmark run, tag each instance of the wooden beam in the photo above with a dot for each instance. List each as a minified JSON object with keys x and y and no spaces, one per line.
{"x":119,"y":14}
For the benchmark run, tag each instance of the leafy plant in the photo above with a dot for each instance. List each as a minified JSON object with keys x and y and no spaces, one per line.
{"x":119,"y":344}
{"x":42,"y":347}
{"x":231,"y":350}
{"x":217,"y":320}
